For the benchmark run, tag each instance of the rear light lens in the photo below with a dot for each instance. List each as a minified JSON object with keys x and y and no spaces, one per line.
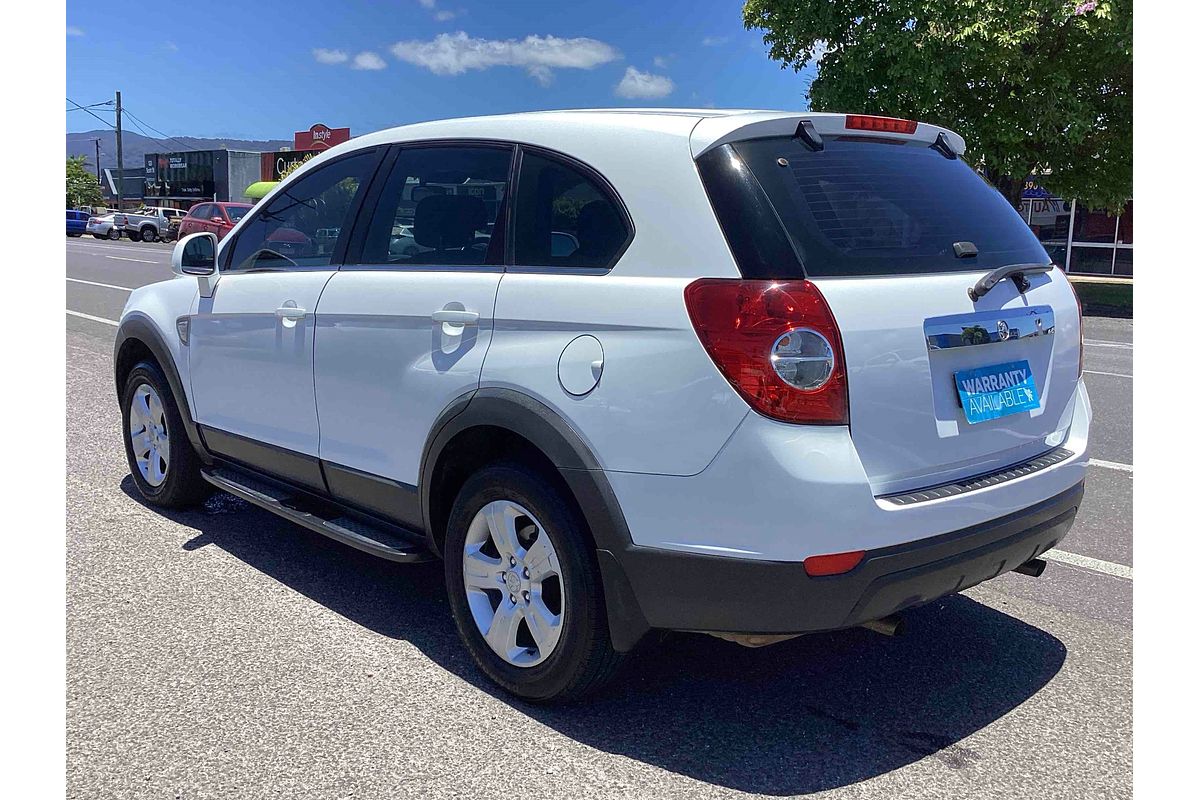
{"x":91,"y":221}
{"x":833,"y":564}
{"x":776,"y":343}
{"x":883,"y":124}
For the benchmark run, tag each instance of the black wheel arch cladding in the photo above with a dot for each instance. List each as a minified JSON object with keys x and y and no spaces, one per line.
{"x":562,"y":445}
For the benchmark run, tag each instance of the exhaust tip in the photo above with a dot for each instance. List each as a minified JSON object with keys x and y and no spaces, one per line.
{"x":1034,"y":567}
{"x":891,"y":625}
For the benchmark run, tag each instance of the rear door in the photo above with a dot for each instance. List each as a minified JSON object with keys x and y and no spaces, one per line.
{"x":875,"y":220}
{"x":403,"y":331}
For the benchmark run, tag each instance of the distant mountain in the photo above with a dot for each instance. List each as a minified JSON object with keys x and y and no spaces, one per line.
{"x":136,"y":146}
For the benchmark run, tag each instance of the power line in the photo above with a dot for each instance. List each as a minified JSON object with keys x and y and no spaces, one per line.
{"x":139,"y":122}
{"x":85,"y":108}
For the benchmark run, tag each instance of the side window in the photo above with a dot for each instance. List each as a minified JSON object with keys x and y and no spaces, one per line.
{"x":563,"y":218}
{"x":439,"y":207}
{"x":201,"y":211}
{"x":304,"y":221}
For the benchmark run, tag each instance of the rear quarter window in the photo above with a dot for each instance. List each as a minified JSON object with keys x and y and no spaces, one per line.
{"x":869,"y":206}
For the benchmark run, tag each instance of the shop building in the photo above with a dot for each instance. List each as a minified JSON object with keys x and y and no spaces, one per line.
{"x":180,"y":180}
{"x":1079,"y":240}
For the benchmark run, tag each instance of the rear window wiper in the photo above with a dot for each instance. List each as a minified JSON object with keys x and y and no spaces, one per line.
{"x":1015,"y":271}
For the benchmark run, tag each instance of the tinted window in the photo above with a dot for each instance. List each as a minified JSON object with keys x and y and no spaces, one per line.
{"x":563,"y":218}
{"x":304,"y":220}
{"x":201,"y":211}
{"x":875,"y":207}
{"x":439,"y":207}
{"x":235,"y":212}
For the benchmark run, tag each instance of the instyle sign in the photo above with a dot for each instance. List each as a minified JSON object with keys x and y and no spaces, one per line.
{"x":320,"y":137}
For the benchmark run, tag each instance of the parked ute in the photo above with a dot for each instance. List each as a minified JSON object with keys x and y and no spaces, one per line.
{"x":790,"y":372}
{"x":76,"y":222}
{"x":215,"y":218}
{"x":148,"y":224}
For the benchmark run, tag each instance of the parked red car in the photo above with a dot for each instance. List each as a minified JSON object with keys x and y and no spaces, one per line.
{"x":218,"y":218}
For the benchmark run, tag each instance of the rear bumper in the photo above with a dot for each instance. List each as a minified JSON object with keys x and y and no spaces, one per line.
{"x":686,"y":591}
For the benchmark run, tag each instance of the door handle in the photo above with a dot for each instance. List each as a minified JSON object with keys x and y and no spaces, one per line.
{"x":456,"y":317}
{"x":291,"y":312}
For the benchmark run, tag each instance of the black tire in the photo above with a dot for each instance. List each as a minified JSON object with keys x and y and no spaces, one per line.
{"x":113,"y":234}
{"x":148,"y":234}
{"x":98,"y":236}
{"x":183,"y":486}
{"x":584,"y":658}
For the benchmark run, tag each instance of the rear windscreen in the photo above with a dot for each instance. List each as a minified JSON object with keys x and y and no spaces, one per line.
{"x":879,"y":206}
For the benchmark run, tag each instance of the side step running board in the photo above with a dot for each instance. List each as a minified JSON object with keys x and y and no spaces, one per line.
{"x":378,"y":539}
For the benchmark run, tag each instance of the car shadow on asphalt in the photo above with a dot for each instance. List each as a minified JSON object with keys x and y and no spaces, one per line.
{"x":814,"y":713}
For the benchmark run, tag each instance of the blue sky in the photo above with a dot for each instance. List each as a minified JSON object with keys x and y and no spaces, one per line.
{"x":263,"y":70}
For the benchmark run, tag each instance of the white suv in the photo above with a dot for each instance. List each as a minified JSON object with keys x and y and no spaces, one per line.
{"x":747,"y":373}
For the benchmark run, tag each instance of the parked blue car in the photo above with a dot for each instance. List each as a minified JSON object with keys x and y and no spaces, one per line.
{"x":76,"y":222}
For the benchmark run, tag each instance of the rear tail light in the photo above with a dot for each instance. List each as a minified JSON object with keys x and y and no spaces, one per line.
{"x":833,"y":564}
{"x":91,"y":221}
{"x":862,"y":122}
{"x":776,"y":343}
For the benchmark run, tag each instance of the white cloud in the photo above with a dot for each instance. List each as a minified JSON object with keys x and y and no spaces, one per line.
{"x":444,"y":15}
{"x":638,"y":84}
{"x":661,"y":62}
{"x":74,"y":30}
{"x":456,"y":53}
{"x":369,"y":60}
{"x":324,"y":56}
{"x":714,"y":41}
{"x":174,"y":48}
{"x":427,"y":3}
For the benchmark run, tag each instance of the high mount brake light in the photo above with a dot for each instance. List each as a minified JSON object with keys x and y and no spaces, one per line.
{"x":777,"y":344}
{"x":862,"y":122}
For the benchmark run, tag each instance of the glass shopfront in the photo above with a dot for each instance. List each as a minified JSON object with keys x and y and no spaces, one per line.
{"x":1078,"y":239}
{"x":181,"y":177}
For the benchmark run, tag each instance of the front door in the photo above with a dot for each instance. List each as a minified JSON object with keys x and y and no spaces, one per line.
{"x":251,"y":343}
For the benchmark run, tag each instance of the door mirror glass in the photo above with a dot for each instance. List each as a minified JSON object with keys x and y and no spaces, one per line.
{"x":195,"y":255}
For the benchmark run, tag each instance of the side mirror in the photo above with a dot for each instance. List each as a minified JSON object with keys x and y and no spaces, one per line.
{"x":196,"y":254}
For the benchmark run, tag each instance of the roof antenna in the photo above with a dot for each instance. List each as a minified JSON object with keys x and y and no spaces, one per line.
{"x":942,"y":145}
{"x":807,"y":133}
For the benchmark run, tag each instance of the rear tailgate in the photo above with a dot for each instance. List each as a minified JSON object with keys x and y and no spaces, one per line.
{"x":874,"y":209}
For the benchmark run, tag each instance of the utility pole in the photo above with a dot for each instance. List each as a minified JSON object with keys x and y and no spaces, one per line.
{"x":120,"y":161}
{"x":99,"y":180}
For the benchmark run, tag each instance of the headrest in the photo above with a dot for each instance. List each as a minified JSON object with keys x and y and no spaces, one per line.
{"x":600,"y":230}
{"x":443,"y":221}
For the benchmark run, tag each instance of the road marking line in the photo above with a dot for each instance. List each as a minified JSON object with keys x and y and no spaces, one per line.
{"x":1098,"y":372}
{"x":102,"y":285}
{"x":1101,"y":343}
{"x":1096,"y":462}
{"x":139,"y":260}
{"x":1107,"y":567}
{"x":81,"y":315}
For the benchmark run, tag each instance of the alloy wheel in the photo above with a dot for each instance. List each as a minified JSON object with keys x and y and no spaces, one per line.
{"x":514,"y":583}
{"x":148,"y":435}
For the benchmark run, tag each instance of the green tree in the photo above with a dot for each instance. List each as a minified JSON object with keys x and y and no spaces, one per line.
{"x":82,"y":189}
{"x":1034,"y":86}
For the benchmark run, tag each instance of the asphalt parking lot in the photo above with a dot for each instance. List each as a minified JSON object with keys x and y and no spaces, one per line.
{"x":225,"y":653}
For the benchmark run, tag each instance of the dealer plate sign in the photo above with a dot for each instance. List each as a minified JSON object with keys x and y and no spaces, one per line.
{"x":996,"y":391}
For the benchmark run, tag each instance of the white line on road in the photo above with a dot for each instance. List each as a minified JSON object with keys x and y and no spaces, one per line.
{"x":100,"y":248}
{"x":81,"y":315}
{"x":1100,"y":343}
{"x":1107,"y":567}
{"x":101,"y":285}
{"x":1096,"y":462}
{"x":1110,"y":374}
{"x":140,"y":260}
